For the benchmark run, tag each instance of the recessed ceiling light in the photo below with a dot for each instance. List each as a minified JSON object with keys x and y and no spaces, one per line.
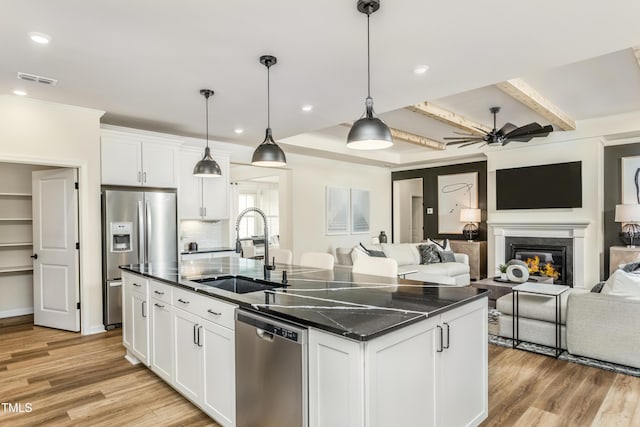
{"x":307,"y":108}
{"x":19,"y":92}
{"x":420,"y":69}
{"x":39,"y":38}
{"x":238,"y":131}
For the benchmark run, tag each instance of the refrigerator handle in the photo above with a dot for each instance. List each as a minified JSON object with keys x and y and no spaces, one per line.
{"x":141,"y":235}
{"x":148,"y":232}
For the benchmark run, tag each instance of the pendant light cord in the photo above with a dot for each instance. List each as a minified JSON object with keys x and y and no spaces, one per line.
{"x":268,"y":96}
{"x":368,"y":57}
{"x":206,"y":108}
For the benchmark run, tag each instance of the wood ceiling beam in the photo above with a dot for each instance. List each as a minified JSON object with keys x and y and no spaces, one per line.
{"x":450,"y":118}
{"x":411,"y":138}
{"x":531,"y":98}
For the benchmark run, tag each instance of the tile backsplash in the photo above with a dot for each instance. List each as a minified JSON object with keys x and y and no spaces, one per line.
{"x":206,"y":234}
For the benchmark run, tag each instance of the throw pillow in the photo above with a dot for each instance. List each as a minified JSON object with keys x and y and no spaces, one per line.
{"x":442,"y":245}
{"x":598,"y":287}
{"x":632,"y":266}
{"x":372,"y":252}
{"x":447,"y":256}
{"x":428,"y":254}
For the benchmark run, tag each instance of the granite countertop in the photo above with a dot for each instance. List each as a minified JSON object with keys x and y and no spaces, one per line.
{"x":208,"y":250}
{"x":355,"y":306}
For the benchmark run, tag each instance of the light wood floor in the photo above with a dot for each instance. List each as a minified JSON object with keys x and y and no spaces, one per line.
{"x":76,"y":380}
{"x":71,"y":379}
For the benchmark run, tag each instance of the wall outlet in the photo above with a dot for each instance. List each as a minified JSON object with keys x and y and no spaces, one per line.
{"x":429,"y":211}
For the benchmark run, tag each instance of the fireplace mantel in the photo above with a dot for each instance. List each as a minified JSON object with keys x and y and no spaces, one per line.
{"x":574,"y":230}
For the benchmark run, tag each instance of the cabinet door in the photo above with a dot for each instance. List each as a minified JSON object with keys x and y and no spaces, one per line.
{"x":188,"y":356}
{"x":463,"y":385}
{"x":121,"y":161}
{"x":336,"y":381}
{"x":190,"y":190}
{"x":127,"y":316}
{"x":401,"y":372}
{"x":140,"y":320}
{"x":159,"y":165}
{"x":215,"y":193}
{"x":219,"y":373}
{"x":161,"y":327}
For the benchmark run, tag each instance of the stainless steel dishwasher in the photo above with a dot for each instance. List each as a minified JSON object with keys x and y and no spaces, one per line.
{"x":271,"y":372}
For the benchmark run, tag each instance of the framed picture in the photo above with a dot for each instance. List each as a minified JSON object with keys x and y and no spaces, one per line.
{"x":337,"y":211}
{"x":630,"y":183}
{"x":455,"y":192}
{"x":359,"y":211}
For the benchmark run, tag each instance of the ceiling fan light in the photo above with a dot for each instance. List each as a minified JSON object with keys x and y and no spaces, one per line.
{"x":207,"y":167}
{"x":369,"y":133}
{"x":268,"y":153}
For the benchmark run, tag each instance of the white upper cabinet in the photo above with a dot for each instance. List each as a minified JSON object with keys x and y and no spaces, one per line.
{"x":203,"y":198}
{"x":138,"y":160}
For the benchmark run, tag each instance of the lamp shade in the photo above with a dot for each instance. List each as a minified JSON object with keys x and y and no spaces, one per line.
{"x":369,"y":133}
{"x":207,"y":167}
{"x":268,"y":153}
{"x":470,"y":215}
{"x":627,"y":213}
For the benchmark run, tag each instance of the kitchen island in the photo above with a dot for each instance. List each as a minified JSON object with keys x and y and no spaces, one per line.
{"x":381,"y":351}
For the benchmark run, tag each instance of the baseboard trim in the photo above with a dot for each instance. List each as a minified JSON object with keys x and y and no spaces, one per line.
{"x":94,"y":330}
{"x":16,"y":312}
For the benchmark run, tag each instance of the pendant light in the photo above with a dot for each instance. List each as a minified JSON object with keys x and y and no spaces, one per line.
{"x":207,"y":167}
{"x":369,"y":132}
{"x":268,"y":153}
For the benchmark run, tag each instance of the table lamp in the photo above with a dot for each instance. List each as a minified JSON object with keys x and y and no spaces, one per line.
{"x":629,"y":216}
{"x":472,"y":217}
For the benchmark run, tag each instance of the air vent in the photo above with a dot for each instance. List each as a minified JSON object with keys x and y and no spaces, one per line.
{"x":37,"y":79}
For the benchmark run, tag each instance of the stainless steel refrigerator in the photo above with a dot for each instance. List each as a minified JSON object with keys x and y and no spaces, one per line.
{"x":138,"y":226}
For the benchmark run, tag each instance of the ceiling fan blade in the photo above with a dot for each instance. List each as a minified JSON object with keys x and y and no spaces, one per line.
{"x":462,"y":133}
{"x":481,"y":130}
{"x":463,"y":141}
{"x":532,"y":130}
{"x":457,"y":138}
{"x":508,"y":127}
{"x":469,"y":143}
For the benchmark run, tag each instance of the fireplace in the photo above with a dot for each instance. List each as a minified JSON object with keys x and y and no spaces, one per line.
{"x":545,"y":257}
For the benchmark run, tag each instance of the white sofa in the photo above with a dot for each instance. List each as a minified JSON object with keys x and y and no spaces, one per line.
{"x":408,"y":259}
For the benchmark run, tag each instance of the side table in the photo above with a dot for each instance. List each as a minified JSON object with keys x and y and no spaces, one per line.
{"x":539,"y":289}
{"x":622,"y":255}
{"x":477,"y":252}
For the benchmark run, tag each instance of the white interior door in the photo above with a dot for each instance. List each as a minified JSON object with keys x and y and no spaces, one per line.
{"x":55,"y":233}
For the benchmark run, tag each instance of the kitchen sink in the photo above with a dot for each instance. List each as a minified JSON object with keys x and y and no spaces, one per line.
{"x":237,"y":285}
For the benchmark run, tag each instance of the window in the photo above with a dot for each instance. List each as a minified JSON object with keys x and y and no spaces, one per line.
{"x":265,"y":197}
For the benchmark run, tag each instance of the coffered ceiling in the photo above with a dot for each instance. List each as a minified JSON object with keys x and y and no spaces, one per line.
{"x":143,"y":62}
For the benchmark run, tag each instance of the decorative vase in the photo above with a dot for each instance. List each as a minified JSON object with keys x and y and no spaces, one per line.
{"x":382,"y":237}
{"x":503,"y":276}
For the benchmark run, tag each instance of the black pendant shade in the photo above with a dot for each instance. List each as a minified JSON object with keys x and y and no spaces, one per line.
{"x":369,"y":132}
{"x":207,"y":167}
{"x":268,"y":153}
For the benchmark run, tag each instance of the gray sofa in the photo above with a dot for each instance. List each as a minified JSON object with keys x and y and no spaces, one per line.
{"x":604,"y":327}
{"x":408,"y":259}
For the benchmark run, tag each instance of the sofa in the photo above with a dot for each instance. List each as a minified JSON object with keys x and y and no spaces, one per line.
{"x":606,"y":325}
{"x":408,"y":258}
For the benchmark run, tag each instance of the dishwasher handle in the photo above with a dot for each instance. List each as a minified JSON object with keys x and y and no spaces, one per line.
{"x":264,"y":335}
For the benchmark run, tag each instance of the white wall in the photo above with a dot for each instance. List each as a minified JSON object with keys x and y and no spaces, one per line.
{"x":43,"y":133}
{"x":403,"y":192}
{"x":309,"y":179}
{"x":590,"y":152}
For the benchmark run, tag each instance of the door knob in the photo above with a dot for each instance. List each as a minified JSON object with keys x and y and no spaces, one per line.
{"x":34,"y":256}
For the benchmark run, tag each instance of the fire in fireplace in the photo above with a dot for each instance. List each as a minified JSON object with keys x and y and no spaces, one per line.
{"x":543,"y":260}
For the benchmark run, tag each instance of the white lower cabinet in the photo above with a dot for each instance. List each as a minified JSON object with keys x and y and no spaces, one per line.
{"x":161,"y":333}
{"x":432,"y":373}
{"x":188,"y":356}
{"x":135,"y":317}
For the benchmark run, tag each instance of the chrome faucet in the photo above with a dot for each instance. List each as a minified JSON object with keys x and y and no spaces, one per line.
{"x":267,"y":267}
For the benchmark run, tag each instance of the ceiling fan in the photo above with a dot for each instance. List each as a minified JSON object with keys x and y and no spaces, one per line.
{"x":507,"y":133}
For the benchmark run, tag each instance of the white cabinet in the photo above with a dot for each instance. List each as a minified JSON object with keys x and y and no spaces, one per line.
{"x":135,"y":317}
{"x":219,"y":398}
{"x":188,"y":356}
{"x":431,"y":373}
{"x":203,"y":198}
{"x":161,"y":332}
{"x":138,"y":160}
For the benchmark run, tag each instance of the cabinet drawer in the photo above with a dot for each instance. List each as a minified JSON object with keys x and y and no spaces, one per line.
{"x":135,"y":283}
{"x":208,"y":308}
{"x":160,"y":291}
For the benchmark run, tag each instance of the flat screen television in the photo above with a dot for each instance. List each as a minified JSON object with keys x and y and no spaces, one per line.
{"x":552,"y":186}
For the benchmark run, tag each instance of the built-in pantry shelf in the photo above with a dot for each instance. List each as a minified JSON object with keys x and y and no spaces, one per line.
{"x":16,"y":269}
{"x":15,"y":194}
{"x":16,"y":245}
